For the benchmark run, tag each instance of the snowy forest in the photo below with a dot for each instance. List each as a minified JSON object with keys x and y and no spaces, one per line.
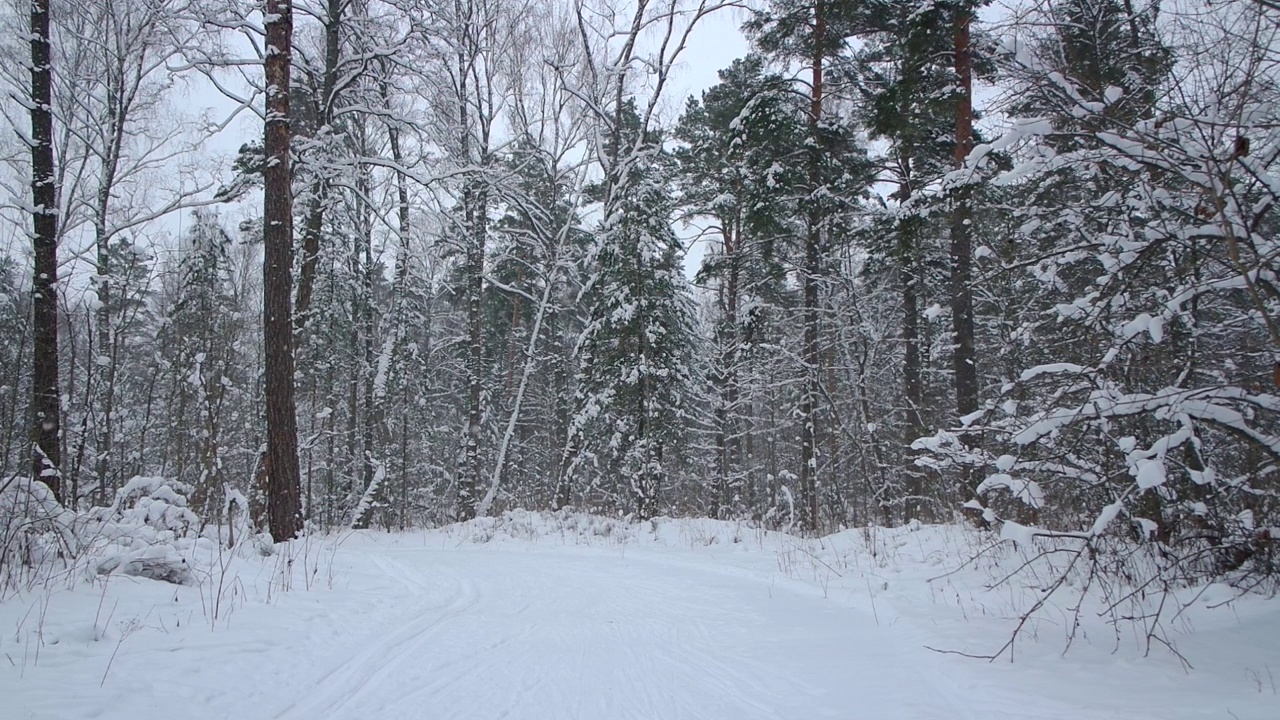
{"x":1051,"y":306}
{"x":299,"y":267}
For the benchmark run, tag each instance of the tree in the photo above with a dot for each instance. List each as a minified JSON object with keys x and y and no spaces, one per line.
{"x":635,"y":380}
{"x":1143,"y":425}
{"x":739,"y":166}
{"x":634,"y":250}
{"x":812,"y":32}
{"x":467,"y":42}
{"x":109,"y":104}
{"x":46,"y":438}
{"x":318,"y":98}
{"x":905,"y":78}
{"x":964,"y":357}
{"x":200,"y":338}
{"x":283,"y":491}
{"x":15,"y":366}
{"x":542,"y":239}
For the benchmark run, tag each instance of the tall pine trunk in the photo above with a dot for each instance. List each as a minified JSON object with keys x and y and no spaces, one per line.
{"x":964,"y":353}
{"x":283,"y":486}
{"x":46,"y":456}
{"x":909,"y":279}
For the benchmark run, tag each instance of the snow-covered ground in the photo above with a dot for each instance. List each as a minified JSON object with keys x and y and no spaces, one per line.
{"x":541,"y":618}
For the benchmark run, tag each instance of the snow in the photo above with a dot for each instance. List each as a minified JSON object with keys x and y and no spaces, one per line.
{"x":1020,"y":535}
{"x":1050,"y":369}
{"x":1109,"y":513}
{"x":1028,"y":491}
{"x":536,"y":616}
{"x":1149,"y":473}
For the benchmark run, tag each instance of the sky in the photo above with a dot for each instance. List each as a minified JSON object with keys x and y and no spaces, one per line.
{"x":715,"y":43}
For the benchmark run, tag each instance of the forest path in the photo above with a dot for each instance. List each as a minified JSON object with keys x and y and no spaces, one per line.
{"x":589,"y":619}
{"x":551,"y":633}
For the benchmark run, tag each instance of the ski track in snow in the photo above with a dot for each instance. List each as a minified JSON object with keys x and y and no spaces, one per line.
{"x":346,"y":685}
{"x":527,"y":635}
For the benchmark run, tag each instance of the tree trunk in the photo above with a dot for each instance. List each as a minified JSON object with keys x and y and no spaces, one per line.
{"x":812,"y":267}
{"x":530,"y":360}
{"x":314,"y":227}
{"x":475,"y":219}
{"x":46,"y":457}
{"x":963,"y":357}
{"x":727,"y":440}
{"x":105,"y":336}
{"x":379,"y":368}
{"x":912,"y":376}
{"x":283,"y":485}
{"x":912,"y":355}
{"x":472,"y":467}
{"x":370,"y":419}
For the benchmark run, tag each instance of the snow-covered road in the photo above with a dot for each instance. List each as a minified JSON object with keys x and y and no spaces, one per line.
{"x":525,"y":633}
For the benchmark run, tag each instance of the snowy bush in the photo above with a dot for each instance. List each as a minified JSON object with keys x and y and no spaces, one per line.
{"x":149,"y":502}
{"x":579,"y":528}
{"x":148,"y":531}
{"x":35,"y":531}
{"x":145,"y":531}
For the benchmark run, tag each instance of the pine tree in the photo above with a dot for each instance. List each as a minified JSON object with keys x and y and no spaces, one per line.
{"x":284,"y":493}
{"x":635,"y":384}
{"x":738,"y":166}
{"x":198,"y":339}
{"x":905,"y":80}
{"x":812,"y":32}
{"x":964,"y":358}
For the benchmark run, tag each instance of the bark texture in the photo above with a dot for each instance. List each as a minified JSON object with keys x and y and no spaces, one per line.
{"x":46,"y":455}
{"x":812,"y":269}
{"x":283,"y":487}
{"x":964,"y":356}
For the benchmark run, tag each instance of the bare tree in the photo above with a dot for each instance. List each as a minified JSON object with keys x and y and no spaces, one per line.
{"x":544,"y":108}
{"x":108,"y":104}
